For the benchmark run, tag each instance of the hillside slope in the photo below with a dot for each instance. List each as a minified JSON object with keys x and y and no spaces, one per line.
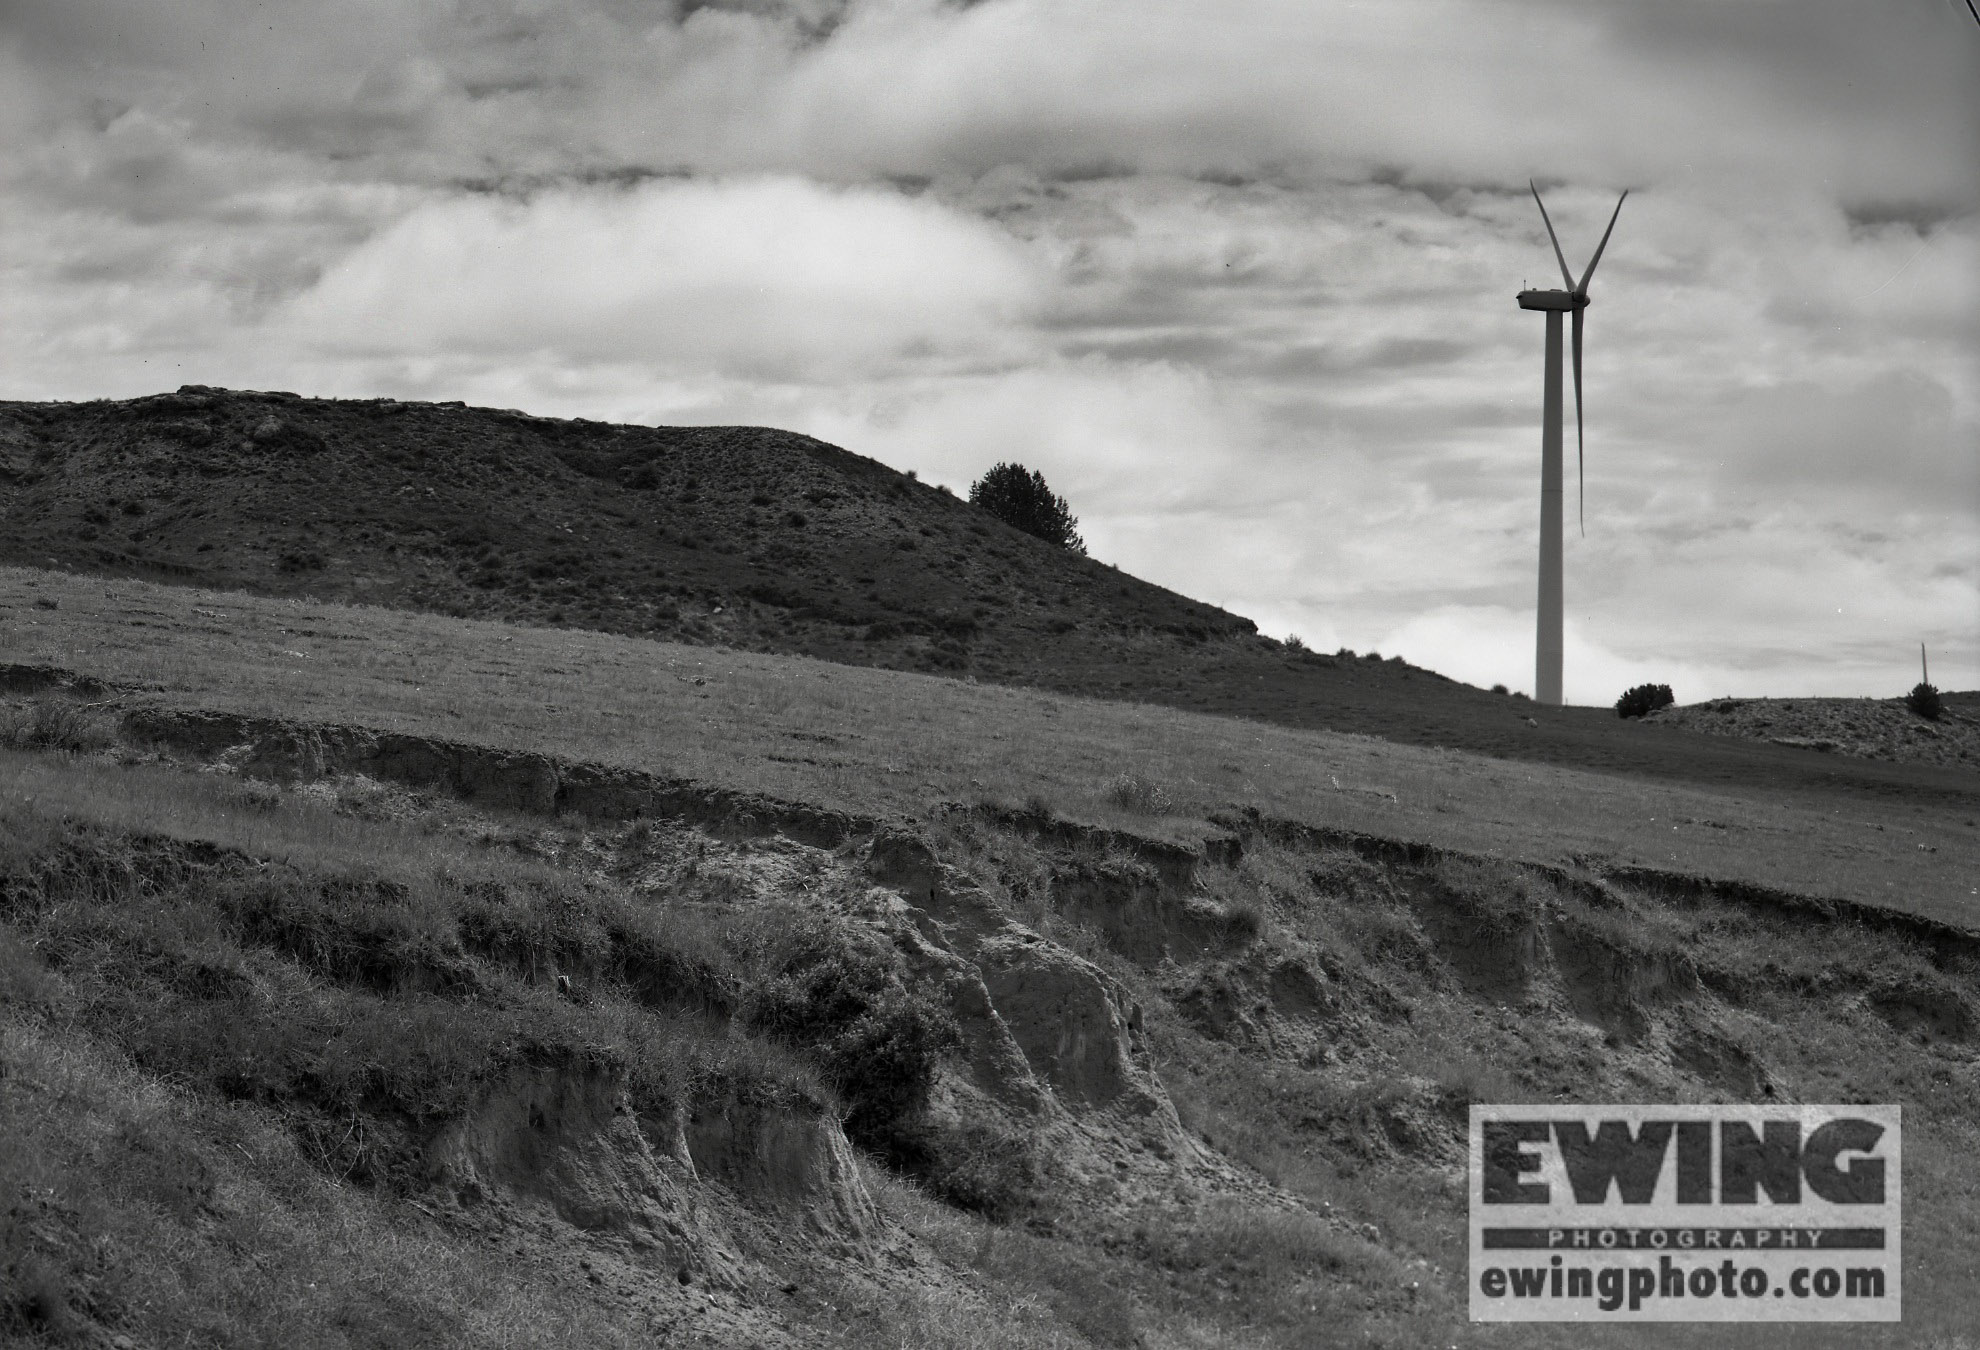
{"x":314,"y":1032}
{"x":880,"y":741}
{"x":746,"y":537}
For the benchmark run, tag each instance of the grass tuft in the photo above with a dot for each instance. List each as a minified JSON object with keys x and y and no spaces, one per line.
{"x":1140,"y":795}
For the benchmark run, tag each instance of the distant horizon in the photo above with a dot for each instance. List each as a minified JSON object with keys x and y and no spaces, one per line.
{"x":1237,"y":279}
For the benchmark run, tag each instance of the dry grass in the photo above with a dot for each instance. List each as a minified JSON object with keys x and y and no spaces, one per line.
{"x":889,"y":742}
{"x":131,"y":1205}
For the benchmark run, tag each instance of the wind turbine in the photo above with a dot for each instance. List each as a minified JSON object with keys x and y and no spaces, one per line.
{"x":1573,"y":300}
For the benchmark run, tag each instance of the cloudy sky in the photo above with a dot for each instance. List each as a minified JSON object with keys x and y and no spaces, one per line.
{"x":1237,"y":275}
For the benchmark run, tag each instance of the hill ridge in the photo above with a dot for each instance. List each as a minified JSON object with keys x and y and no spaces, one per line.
{"x":744,"y":537}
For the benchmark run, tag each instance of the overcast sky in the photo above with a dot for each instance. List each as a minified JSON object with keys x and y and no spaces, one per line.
{"x":1236,"y":275}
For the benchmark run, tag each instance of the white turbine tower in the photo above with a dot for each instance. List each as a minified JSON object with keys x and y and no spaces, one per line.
{"x":1573,"y":300}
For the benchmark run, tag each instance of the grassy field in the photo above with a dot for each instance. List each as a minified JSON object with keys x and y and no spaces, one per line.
{"x":890,"y":742}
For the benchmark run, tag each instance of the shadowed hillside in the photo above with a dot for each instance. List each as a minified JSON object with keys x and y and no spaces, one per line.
{"x":745,"y":537}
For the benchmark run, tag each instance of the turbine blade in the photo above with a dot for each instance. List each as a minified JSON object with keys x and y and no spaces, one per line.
{"x":1580,"y":470}
{"x":1582,"y":288}
{"x":1566,"y":275}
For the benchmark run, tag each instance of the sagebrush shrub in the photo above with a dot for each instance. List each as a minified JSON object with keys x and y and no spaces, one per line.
{"x":1644,"y":698}
{"x":1924,"y":700}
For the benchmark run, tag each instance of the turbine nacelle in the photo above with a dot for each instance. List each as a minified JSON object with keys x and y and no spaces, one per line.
{"x":1564,"y":301}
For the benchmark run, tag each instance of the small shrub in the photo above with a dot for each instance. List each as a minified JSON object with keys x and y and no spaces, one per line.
{"x":1498,"y":689}
{"x":1143,"y":796}
{"x":70,"y":728}
{"x":1644,"y":698}
{"x":1295,"y":643}
{"x":837,"y":997}
{"x":1924,"y":700}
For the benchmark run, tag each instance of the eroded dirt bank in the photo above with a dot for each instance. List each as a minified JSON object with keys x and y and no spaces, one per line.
{"x":785,"y":1077}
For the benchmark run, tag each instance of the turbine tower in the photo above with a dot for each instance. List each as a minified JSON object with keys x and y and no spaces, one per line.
{"x":1573,"y":300}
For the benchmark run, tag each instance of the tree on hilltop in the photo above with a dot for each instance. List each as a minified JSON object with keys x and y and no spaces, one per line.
{"x":1020,"y":498}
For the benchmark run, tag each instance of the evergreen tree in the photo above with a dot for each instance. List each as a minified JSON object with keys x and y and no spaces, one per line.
{"x":1019,"y":497}
{"x":1645,"y":698}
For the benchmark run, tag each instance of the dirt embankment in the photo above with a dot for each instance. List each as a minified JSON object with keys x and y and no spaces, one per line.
{"x":1153,"y":1046}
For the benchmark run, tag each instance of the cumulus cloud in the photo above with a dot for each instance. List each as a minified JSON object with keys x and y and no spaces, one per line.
{"x":770,"y":276}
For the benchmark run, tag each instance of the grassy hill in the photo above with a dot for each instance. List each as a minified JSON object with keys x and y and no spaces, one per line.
{"x":371,"y":978}
{"x":877,"y":742}
{"x":752,"y":539}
